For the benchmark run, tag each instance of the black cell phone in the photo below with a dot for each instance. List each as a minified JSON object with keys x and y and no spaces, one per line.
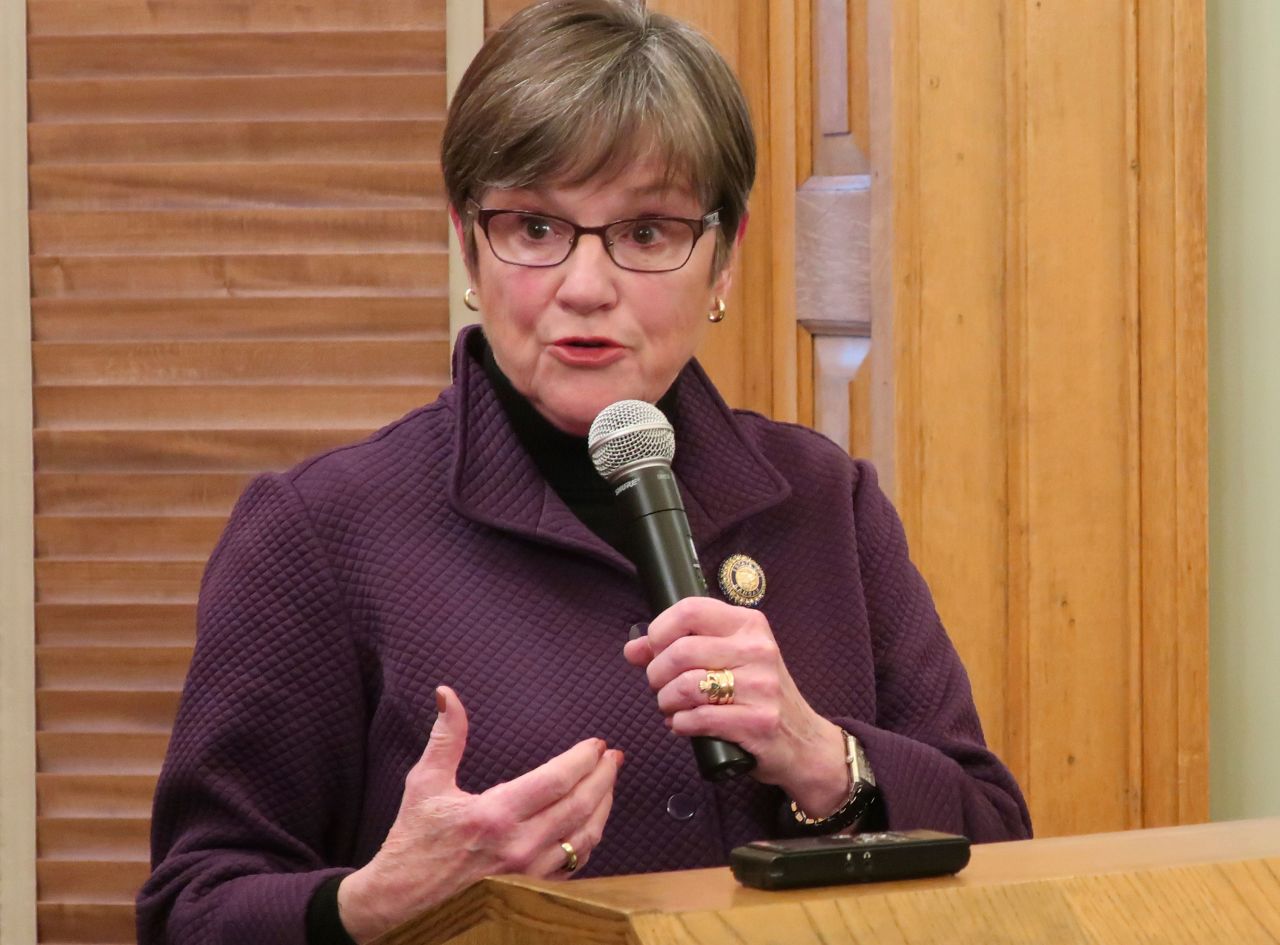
{"x":848,"y":858}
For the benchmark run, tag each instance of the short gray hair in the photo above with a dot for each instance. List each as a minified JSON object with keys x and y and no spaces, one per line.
{"x":568,"y":89}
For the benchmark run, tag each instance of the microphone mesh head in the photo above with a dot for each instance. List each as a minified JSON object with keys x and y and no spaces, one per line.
{"x":627,"y":434}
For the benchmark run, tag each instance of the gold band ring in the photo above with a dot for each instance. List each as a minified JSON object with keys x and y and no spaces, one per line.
{"x":570,"y":856}
{"x":718,"y":685}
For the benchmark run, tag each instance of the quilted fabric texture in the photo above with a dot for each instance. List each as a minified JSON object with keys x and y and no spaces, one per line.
{"x":345,"y":590}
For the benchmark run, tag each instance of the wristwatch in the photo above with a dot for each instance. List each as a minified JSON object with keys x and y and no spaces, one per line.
{"x":864,"y":797}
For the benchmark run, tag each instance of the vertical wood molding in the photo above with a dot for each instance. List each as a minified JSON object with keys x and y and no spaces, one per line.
{"x":782,"y":186}
{"x":1017,"y":730}
{"x":464,"y":34}
{"x":1174,"y":383}
{"x":17,"y":580}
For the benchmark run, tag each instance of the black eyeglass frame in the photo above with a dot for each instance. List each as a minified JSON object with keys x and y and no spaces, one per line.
{"x":483,"y":216}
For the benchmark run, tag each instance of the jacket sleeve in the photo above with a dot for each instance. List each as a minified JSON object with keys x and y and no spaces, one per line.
{"x":263,"y":778}
{"x":926,"y":747}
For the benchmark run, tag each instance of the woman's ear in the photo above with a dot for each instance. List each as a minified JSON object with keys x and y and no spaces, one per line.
{"x":468,"y":259}
{"x":724,"y":279}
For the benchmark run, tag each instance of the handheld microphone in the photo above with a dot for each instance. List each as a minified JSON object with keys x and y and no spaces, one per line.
{"x":632,"y":444}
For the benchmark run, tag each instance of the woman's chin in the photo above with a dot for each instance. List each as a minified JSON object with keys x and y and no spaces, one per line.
{"x":576,"y":418}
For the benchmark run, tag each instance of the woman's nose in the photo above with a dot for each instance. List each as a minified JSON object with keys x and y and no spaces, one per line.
{"x":588,"y":281}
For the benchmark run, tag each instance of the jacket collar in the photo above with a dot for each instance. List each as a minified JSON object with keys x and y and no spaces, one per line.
{"x":723,"y":476}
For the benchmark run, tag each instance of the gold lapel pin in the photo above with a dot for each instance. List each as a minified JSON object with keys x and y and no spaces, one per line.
{"x":742,"y":580}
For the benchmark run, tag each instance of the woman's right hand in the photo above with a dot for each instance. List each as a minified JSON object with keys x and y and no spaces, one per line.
{"x":444,"y":839}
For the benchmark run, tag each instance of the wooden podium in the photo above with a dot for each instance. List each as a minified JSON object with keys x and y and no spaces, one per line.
{"x":1207,"y":883}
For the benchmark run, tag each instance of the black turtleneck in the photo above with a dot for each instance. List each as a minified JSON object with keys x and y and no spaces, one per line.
{"x":562,"y":458}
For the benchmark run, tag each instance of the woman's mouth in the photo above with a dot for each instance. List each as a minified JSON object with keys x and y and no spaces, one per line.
{"x":587,"y":351}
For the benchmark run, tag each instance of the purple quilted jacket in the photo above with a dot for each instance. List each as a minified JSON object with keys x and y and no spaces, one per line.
{"x":346,"y":589}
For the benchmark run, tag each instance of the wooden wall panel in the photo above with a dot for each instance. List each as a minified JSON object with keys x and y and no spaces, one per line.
{"x":238,"y":259}
{"x":1038,"y":343}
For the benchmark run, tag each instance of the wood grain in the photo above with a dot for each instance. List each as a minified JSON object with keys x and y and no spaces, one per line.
{"x":239,"y":259}
{"x":1037,"y":283}
{"x":251,"y":230}
{"x":127,"y":276}
{"x":1219,"y":883}
{"x":231,"y":140}
{"x":127,"y":17}
{"x":420,"y":317}
{"x":195,"y":54}
{"x":237,"y":98}
{"x":242,"y":184}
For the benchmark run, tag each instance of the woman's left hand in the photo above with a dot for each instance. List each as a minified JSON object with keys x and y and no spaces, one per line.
{"x":795,"y":748}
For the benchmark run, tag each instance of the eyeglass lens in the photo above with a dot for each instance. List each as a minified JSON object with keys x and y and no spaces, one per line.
{"x":651,"y":245}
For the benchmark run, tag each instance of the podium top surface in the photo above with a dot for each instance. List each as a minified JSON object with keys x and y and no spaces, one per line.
{"x":994,"y":864}
{"x":1191,"y":885}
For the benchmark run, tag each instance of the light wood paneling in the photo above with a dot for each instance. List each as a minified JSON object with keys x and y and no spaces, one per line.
{"x":238,"y":259}
{"x":1038,"y":343}
{"x":1182,"y":886}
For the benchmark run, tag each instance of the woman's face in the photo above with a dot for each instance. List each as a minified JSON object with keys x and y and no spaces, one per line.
{"x":579,"y":336}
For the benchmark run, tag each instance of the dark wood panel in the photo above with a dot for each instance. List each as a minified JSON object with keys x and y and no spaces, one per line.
{"x":93,"y":878}
{"x":110,"y":668}
{"x":382,"y":184}
{"x":96,"y":319}
{"x":93,"y":753}
{"x":207,"y":142}
{"x":237,"y":231}
{"x":119,"y":840}
{"x":281,"y":275}
{"x":115,"y":624}
{"x":94,"y":923}
{"x":221,"y":405}
{"x":182,"y":450}
{"x":280,"y":361}
{"x":71,"y":17}
{"x":238,"y":260}
{"x":103,"y":582}
{"x":94,"y":795}
{"x":90,"y":711}
{"x":237,"y":98}
{"x":127,"y":536}
{"x":194,"y":54}
{"x":138,"y":493}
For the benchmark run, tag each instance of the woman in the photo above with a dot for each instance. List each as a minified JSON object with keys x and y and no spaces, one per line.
{"x":413,"y":666}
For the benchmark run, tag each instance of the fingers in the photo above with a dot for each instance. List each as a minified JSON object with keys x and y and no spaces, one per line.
{"x":742,"y":650}
{"x":437,"y":770}
{"x":751,"y":685}
{"x":638,"y":652}
{"x":564,"y":823}
{"x":546,"y":784}
{"x":703,"y":616}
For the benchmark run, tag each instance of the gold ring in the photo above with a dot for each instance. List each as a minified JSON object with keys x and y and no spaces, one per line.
{"x":718,"y":685}
{"x":570,"y":856}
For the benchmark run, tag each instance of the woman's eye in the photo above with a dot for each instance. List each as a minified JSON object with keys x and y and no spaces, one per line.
{"x":647,"y":233}
{"x":536,"y":228}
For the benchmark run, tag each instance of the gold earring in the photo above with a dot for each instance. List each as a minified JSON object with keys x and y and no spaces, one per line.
{"x":469,"y":300}
{"x":717,"y":316}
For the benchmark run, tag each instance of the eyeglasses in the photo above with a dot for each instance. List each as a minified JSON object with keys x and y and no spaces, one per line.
{"x":539,"y":241}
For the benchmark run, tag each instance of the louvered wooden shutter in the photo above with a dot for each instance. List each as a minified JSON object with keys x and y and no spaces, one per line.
{"x":238,"y":240}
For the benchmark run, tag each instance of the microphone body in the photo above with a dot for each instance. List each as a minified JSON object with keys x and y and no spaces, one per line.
{"x":661,"y":545}
{"x":658,"y":536}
